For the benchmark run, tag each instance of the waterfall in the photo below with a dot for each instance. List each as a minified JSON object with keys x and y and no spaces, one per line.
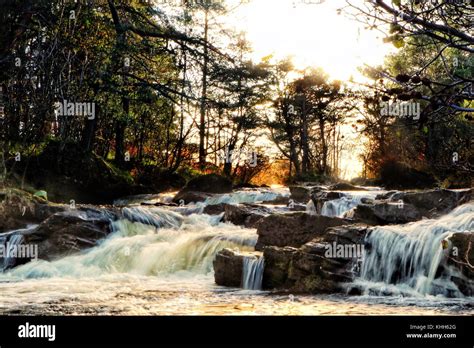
{"x":8,"y":242}
{"x":410,"y":258}
{"x":156,"y":217}
{"x":311,"y":208}
{"x":344,"y":205}
{"x":185,"y":247}
{"x":252,"y":272}
{"x":248,"y":196}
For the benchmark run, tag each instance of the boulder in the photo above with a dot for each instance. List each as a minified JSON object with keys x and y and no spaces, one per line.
{"x":211,"y":183}
{"x":202,"y":187}
{"x":228,"y":267}
{"x":247,"y":215}
{"x":343,"y":186}
{"x":68,"y":232}
{"x":293,"y":229}
{"x":214,"y":209}
{"x":186,"y":197}
{"x":308,"y":269}
{"x":277,"y":265}
{"x":461,"y":258}
{"x":433,"y":203}
{"x":19,"y":208}
{"x":416,"y":205}
{"x":320,"y":197}
{"x":279,"y":200}
{"x":300,"y":194}
{"x":382,"y":213}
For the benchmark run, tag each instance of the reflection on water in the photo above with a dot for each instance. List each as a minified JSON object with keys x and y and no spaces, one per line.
{"x":197,"y":295}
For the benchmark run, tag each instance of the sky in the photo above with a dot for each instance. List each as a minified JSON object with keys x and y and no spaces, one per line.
{"x":315,"y":35}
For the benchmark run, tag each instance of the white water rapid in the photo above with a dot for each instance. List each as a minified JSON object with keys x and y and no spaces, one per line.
{"x":409,"y":259}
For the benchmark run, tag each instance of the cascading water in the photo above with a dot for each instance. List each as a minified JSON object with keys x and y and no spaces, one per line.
{"x":311,"y":208}
{"x":186,"y":246}
{"x":252,"y":272}
{"x":342,"y":206}
{"x":409,"y":259}
{"x":10,"y":241}
{"x":248,"y":196}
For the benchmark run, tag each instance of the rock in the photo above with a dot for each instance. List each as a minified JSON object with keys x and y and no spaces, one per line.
{"x":365,"y":200}
{"x":320,"y":197}
{"x":461,"y":258}
{"x":293,"y":229}
{"x":343,"y":186}
{"x":308,"y":269}
{"x":300,"y":193}
{"x":211,"y":183}
{"x":416,"y":205}
{"x":214,"y":209}
{"x":279,"y":200}
{"x":247,"y":215}
{"x":433,"y":203}
{"x":202,"y":187}
{"x":20,"y":208}
{"x":382,"y":213}
{"x":228,"y":267}
{"x":386,"y":195}
{"x":66,"y":233}
{"x":187,"y":197}
{"x":277,"y":264}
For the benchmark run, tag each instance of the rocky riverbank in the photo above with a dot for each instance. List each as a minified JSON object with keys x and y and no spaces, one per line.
{"x":314,"y":239}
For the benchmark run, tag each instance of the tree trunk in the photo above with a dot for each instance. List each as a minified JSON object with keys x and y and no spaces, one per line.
{"x":202,"y":125}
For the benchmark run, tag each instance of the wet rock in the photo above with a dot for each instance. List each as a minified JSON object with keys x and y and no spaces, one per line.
{"x":214,"y":209}
{"x":343,"y":186}
{"x":19,"y":208}
{"x":383,"y":213}
{"x":247,"y":215}
{"x":309,"y":269}
{"x":69,"y":232}
{"x":293,"y":229}
{"x":211,"y":183}
{"x":279,"y":200}
{"x":300,"y":194}
{"x":403,"y":207}
{"x":277,"y":264}
{"x":186,"y":197}
{"x":202,"y":187}
{"x":460,"y":256}
{"x":228,"y":267}
{"x":320,"y":197}
{"x":433,"y":203}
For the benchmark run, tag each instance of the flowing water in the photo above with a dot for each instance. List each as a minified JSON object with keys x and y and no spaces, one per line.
{"x":158,"y":261}
{"x":406,"y":259}
{"x":252,"y":273}
{"x":342,"y":207}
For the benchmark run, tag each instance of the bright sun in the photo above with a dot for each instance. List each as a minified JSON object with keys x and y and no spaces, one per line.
{"x":314,"y":34}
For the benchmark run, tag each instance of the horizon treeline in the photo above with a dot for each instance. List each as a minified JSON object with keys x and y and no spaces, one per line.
{"x":149,"y":92}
